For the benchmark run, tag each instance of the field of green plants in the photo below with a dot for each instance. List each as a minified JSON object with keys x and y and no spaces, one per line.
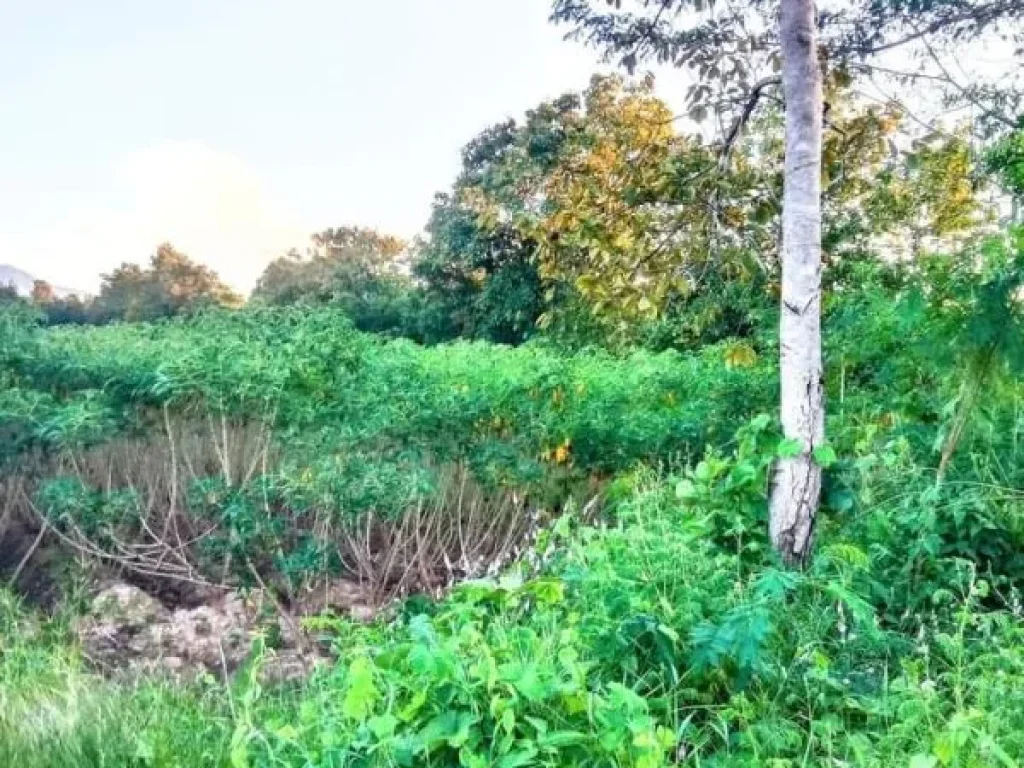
{"x":640,"y":619}
{"x":673,"y":440}
{"x":276,"y":424}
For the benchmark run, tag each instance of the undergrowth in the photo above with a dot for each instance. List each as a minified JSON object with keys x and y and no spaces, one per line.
{"x":663,"y":635}
{"x":653,"y":628}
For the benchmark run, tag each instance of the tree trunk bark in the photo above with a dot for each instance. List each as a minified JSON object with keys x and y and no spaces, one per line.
{"x":797,"y":481}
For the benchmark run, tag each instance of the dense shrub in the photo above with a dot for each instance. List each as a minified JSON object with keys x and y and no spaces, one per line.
{"x":665,"y":636}
{"x":660,"y":632}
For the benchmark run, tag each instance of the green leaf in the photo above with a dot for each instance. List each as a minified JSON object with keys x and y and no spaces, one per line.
{"x":760,"y":423}
{"x":686,"y":490}
{"x":451,"y":728}
{"x":361,"y":693}
{"x":239,"y":752}
{"x":383,"y":726}
{"x":774,"y":584}
{"x":560,"y":739}
{"x":286,"y":732}
{"x":524,"y":678}
{"x":517,"y":759}
{"x":547,"y":591}
{"x":861,"y":610}
{"x":825,"y":455}
{"x":789,"y":448}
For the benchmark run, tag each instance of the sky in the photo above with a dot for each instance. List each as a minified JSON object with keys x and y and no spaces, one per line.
{"x":235,"y":129}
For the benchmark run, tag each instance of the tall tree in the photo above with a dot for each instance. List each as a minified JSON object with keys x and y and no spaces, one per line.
{"x":735,"y":52}
{"x":42,"y":292}
{"x":360,"y":270}
{"x":172,"y":283}
{"x":477,"y":263}
{"x":797,"y":482}
{"x":340,"y":262}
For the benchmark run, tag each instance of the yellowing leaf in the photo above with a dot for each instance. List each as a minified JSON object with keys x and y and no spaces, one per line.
{"x":740,"y":355}
{"x":561,"y":454}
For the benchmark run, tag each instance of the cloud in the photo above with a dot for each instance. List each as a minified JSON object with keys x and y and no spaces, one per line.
{"x":209,"y":204}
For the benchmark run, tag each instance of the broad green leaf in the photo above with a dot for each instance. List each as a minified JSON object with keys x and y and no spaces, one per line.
{"x":517,"y":759}
{"x":825,"y":456}
{"x":361,"y":693}
{"x":789,"y":448}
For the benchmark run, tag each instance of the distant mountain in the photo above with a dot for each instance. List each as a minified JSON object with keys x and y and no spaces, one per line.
{"x":22,"y":282}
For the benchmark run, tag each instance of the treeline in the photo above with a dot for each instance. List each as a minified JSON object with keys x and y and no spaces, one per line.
{"x":171,"y":284}
{"x":595,"y":220}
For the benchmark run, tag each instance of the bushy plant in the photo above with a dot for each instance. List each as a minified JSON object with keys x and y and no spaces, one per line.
{"x":664,"y":635}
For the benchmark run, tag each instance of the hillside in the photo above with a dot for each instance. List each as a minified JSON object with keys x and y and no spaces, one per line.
{"x":23,"y":281}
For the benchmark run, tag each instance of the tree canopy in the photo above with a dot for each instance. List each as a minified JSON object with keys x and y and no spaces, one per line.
{"x":171,"y":284}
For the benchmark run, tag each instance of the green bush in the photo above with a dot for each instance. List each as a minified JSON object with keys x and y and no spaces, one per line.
{"x":665,"y":635}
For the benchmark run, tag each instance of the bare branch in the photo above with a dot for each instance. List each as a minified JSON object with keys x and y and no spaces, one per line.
{"x":979,"y":15}
{"x":987,"y":111}
{"x":744,"y":116}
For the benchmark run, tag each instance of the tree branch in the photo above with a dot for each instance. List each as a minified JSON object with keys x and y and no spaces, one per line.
{"x":744,"y":116}
{"x":971,"y":98}
{"x":980,"y":16}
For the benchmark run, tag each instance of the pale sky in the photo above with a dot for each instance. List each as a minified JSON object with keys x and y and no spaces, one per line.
{"x":235,"y":129}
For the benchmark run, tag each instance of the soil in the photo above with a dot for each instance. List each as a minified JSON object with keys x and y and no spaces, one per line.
{"x":39,"y":582}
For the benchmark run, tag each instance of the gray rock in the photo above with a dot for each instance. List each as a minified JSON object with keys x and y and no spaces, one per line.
{"x":125,"y":606}
{"x":129,"y":631}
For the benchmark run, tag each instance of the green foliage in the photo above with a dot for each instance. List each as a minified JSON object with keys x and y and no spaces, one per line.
{"x":660,"y":631}
{"x":341,"y":427}
{"x":170,"y":285}
{"x":478,"y":267}
{"x":596,"y":221}
{"x":649,"y":640}
{"x":731,"y":57}
{"x":358,"y":270}
{"x":294,"y":364}
{"x":1006,"y":159}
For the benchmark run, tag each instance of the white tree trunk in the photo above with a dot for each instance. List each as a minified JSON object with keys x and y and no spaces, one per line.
{"x":797,"y":481}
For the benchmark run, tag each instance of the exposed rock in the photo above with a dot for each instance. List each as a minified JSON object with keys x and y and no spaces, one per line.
{"x":214,"y":636}
{"x":127,"y":631}
{"x":126,"y":606}
{"x":338,"y":595}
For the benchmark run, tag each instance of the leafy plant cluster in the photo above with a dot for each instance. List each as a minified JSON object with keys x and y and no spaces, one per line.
{"x":264,"y":434}
{"x":309,"y":369}
{"x":663,"y":633}
{"x":664,"y":636}
{"x":271,"y":423}
{"x":283,"y":443}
